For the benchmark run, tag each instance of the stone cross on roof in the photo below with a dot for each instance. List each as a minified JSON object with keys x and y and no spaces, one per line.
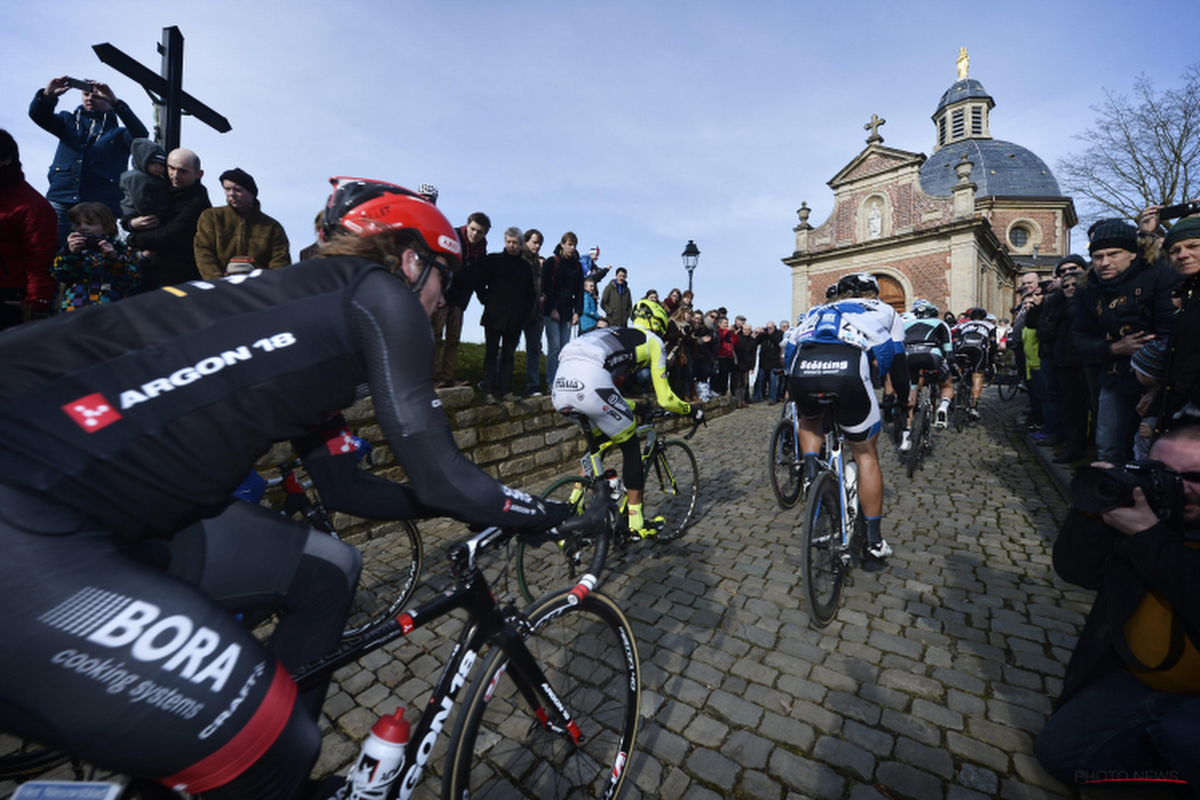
{"x":873,"y":127}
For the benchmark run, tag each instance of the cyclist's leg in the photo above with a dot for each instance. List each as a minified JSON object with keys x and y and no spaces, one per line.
{"x":247,"y":559}
{"x":130,"y":669}
{"x":858,"y":414}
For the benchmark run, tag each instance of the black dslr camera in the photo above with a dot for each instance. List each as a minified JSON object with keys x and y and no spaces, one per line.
{"x":92,"y":242}
{"x":1096,"y":489}
{"x":1180,"y":210}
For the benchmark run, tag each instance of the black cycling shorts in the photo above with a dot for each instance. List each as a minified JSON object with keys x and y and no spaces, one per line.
{"x":823,"y":368}
{"x":926,"y":358}
{"x":113,"y":660}
{"x":975,"y":355}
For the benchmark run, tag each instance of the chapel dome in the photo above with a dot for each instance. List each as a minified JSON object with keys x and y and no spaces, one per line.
{"x":1002,"y":169}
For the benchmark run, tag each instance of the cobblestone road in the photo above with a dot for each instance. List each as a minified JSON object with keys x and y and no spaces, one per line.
{"x":932,"y":682}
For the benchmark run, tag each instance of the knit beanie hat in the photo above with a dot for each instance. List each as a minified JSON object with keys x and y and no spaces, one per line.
{"x":157,"y":158}
{"x":1151,"y":360}
{"x":241,"y":178}
{"x":1186,"y":228}
{"x":1113,"y":233}
{"x":1071,"y":259}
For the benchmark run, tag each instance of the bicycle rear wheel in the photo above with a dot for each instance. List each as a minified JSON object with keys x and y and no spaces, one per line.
{"x":962,"y":401}
{"x":499,"y":748}
{"x":551,"y":566}
{"x":920,"y":431}
{"x":672,"y":488}
{"x":392,"y":556}
{"x":821,"y":549}
{"x":785,"y":465}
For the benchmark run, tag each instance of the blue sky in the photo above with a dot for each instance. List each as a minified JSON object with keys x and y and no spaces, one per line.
{"x":637,"y":125}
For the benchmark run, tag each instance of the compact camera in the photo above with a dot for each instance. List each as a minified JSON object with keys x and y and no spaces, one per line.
{"x":83,"y":86}
{"x":92,"y":242}
{"x":1096,"y":489}
{"x":1180,"y":210}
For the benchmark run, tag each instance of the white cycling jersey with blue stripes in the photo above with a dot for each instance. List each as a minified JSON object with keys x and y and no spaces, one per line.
{"x":866,"y":323}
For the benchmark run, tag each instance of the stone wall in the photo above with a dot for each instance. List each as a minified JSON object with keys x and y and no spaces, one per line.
{"x":525,"y":444}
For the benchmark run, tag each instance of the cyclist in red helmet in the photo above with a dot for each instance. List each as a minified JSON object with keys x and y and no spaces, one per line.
{"x":125,"y":558}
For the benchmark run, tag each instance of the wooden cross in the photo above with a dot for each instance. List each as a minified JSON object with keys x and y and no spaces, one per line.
{"x":873,"y":127}
{"x":165,"y":89}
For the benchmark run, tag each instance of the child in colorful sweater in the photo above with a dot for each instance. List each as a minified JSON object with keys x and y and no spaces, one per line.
{"x":93,"y":265}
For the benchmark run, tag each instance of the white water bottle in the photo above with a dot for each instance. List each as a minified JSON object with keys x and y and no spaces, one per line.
{"x":380,"y":761}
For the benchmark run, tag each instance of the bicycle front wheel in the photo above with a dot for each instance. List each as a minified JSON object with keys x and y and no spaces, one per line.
{"x":821,"y":549}
{"x":672,"y":488}
{"x":551,"y":566}
{"x":785,"y":464}
{"x":392,"y":556}
{"x":962,"y":401}
{"x":500,"y":749}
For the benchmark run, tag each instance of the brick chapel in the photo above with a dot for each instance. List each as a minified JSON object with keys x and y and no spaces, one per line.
{"x":957,"y":227}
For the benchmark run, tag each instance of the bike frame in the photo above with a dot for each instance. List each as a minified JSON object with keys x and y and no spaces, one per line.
{"x":487,"y":621}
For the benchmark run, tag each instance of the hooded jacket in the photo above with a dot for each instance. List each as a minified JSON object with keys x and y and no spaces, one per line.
{"x":93,"y":150}
{"x":222,"y":233}
{"x":145,"y":194}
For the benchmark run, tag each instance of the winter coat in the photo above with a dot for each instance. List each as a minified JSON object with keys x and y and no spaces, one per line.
{"x":91,"y":279}
{"x":172,"y":242}
{"x":93,"y":150}
{"x":1182,"y":385}
{"x":591,"y":313}
{"x":617,"y":304}
{"x":1121,"y":570}
{"x":744,"y":352}
{"x":769,"y":355}
{"x":466,"y":277}
{"x":28,"y":239}
{"x":1139,"y":299}
{"x":726,"y":339}
{"x":1066,"y":354}
{"x":562,"y":283}
{"x":505,"y":288}
{"x":222,"y":234}
{"x":145,"y":194}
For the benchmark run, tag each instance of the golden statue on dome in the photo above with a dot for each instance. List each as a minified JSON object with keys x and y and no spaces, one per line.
{"x":964,"y":61}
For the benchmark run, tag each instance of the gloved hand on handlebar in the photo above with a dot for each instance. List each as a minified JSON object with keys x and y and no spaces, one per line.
{"x":556,"y":513}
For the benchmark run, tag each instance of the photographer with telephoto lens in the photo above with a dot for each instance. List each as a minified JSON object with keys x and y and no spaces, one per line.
{"x":1130,"y":702}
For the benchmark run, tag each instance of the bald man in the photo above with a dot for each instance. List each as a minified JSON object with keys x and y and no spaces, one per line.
{"x":168,"y":241}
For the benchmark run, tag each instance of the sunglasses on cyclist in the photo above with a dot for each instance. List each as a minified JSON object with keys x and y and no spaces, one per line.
{"x":447,"y":275}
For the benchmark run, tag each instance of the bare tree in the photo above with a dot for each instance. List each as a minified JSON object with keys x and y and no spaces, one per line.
{"x":1141,"y":151}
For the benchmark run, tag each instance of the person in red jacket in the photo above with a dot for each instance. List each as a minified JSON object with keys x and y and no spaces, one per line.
{"x":28,"y":240}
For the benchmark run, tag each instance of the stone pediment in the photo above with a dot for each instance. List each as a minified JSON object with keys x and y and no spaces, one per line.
{"x":873,"y":161}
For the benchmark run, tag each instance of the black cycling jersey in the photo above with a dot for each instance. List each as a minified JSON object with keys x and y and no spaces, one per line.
{"x":157,"y":407}
{"x":131,"y":421}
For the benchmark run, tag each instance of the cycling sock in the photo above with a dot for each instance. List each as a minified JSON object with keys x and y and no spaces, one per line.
{"x":945,"y":403}
{"x":576,"y":493}
{"x":636,"y":522}
{"x":874,"y":533}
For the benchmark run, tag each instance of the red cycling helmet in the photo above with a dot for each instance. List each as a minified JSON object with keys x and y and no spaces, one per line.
{"x":366,"y":208}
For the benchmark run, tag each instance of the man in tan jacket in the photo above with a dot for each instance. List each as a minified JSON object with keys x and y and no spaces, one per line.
{"x":239,"y":231}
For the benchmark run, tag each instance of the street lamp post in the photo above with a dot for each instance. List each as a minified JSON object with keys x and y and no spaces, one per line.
{"x":691,"y":256}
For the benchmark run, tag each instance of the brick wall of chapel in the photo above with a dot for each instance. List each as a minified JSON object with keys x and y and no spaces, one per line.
{"x":927,"y":273}
{"x":1046,"y":219}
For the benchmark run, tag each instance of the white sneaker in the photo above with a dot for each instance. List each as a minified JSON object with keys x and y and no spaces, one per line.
{"x":905,"y":442}
{"x":973,"y":414}
{"x":880,"y":551}
{"x":941,"y":417}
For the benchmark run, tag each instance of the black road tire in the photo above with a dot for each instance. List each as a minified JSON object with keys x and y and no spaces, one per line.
{"x":499,"y":749}
{"x":785,"y":465}
{"x":820,"y":545}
